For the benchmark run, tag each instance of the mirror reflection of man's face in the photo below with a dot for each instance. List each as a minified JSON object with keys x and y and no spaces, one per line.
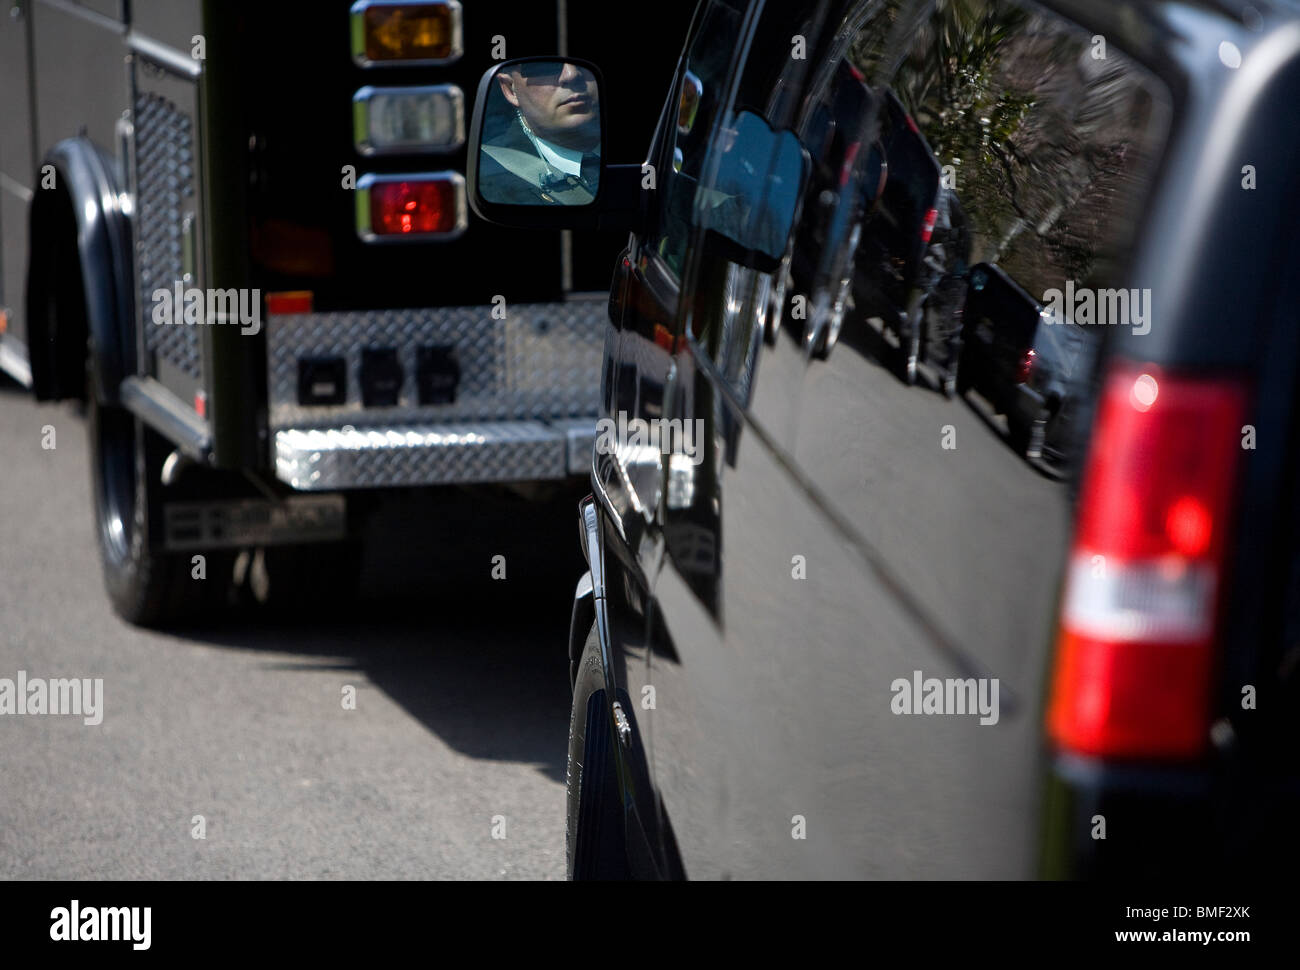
{"x":558,"y":102}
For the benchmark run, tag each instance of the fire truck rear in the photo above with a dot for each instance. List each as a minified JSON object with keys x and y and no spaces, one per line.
{"x":238,"y":232}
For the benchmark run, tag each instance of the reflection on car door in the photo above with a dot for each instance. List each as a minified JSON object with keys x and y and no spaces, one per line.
{"x":870,"y":542}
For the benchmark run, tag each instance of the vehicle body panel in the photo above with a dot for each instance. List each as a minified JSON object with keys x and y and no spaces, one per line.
{"x":868,"y":531}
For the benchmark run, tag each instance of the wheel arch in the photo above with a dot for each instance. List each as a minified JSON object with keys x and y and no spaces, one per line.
{"x":600,"y":600}
{"x":79,"y":231}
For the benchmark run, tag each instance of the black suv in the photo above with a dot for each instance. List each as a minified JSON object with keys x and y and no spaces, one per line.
{"x":833,"y":626}
{"x":1028,"y":364}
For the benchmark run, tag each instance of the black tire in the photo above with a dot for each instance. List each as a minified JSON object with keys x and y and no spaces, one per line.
{"x":1018,"y":434}
{"x":147,"y":587}
{"x":595,"y":837}
{"x":1056,"y":434}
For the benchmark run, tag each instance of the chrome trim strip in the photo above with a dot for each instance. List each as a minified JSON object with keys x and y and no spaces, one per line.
{"x":599,"y":600}
{"x":78,"y":10}
{"x":361,"y":120}
{"x":389,"y":456}
{"x":363,"y":207}
{"x":16,"y":187}
{"x":162,"y":55}
{"x":163,"y":411}
{"x":13,"y":361}
{"x":357,"y":26}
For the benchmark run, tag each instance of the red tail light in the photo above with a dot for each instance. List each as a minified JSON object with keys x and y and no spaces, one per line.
{"x":417,"y":207}
{"x":1026,"y":366}
{"x":402,"y":207}
{"x":927,"y":227}
{"x":1136,"y":650}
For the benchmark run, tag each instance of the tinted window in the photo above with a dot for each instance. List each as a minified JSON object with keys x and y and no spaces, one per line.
{"x":701,"y":90}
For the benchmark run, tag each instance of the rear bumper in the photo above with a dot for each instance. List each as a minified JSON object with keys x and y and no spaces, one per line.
{"x":1114,"y":822}
{"x":327,"y":459}
{"x":518,"y":399}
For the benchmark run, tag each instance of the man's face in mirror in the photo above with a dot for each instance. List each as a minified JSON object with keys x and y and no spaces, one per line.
{"x":558,"y":101}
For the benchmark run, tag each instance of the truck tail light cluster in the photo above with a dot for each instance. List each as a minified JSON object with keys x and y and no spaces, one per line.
{"x":411,"y":119}
{"x":1136,"y":650}
{"x":427,"y":206}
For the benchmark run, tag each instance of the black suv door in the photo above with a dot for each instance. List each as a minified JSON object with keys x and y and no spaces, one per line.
{"x":856,"y":605}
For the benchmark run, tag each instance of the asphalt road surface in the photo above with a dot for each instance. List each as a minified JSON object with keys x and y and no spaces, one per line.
{"x":458,"y":736}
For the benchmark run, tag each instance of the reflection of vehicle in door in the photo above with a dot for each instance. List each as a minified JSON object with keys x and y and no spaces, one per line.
{"x":847,"y":175}
{"x":898,"y":266}
{"x":1064,"y":357}
{"x":750,"y":606}
{"x":947,"y":262}
{"x":1024,"y":362}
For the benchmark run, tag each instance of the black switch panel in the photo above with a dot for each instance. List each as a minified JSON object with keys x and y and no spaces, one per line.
{"x":437,"y":374}
{"x":322,"y":380}
{"x":381,"y":377}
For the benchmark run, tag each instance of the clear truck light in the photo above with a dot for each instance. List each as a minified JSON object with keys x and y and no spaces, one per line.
{"x":409,"y":119}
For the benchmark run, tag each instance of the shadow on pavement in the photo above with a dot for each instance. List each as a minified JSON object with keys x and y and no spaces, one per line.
{"x":481,"y":662}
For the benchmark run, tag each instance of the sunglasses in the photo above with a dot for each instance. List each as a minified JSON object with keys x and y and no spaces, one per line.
{"x":542,"y":70}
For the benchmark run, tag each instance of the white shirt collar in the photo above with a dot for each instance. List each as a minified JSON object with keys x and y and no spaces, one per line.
{"x":561,"y":159}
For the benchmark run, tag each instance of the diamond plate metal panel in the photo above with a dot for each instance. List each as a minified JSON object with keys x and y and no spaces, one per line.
{"x":542,"y":361}
{"x":164,"y":164}
{"x":340,"y":458}
{"x":581,"y":436}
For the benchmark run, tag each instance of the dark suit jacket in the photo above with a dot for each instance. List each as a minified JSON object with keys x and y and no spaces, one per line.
{"x":517,"y":180}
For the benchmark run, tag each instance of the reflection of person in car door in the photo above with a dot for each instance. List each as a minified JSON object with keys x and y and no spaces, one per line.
{"x":946,"y":267}
{"x":549,"y":151}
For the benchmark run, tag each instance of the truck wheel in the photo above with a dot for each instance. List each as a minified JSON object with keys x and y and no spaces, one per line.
{"x":146,"y":587}
{"x":595,"y":841}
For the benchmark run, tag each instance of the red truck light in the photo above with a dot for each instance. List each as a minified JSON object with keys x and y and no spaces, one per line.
{"x":1136,"y":653}
{"x":411,"y":207}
